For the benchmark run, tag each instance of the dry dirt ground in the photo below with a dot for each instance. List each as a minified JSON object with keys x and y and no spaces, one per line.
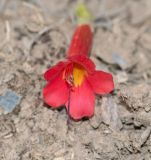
{"x":34,"y":35}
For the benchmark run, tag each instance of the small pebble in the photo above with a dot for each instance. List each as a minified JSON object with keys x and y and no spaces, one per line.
{"x":9,"y":101}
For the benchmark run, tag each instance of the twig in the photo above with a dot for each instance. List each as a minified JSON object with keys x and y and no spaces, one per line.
{"x":143,"y":138}
{"x":7,"y":38}
{"x":44,"y":31}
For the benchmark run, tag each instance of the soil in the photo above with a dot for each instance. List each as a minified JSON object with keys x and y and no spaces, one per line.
{"x":35,"y":35}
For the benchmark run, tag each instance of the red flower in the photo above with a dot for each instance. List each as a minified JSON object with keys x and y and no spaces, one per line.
{"x":74,"y":81}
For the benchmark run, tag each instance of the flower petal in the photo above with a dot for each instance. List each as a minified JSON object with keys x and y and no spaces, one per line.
{"x":81,"y":41}
{"x":84,"y":61}
{"x":55,"y":70}
{"x":101,"y":82}
{"x":55,"y":93}
{"x":82,"y":101}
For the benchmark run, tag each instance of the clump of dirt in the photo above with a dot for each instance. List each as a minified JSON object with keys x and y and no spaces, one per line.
{"x":137,"y":96}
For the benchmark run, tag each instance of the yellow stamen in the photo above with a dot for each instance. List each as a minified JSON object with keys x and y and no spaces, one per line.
{"x":78,"y":74}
